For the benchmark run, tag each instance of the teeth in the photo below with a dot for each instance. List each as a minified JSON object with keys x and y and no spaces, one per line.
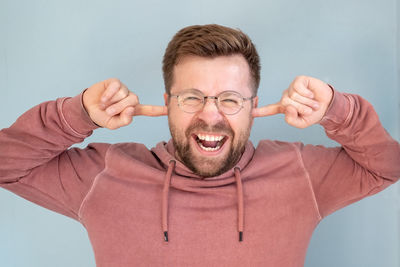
{"x":211,"y":138}
{"x":209,"y":148}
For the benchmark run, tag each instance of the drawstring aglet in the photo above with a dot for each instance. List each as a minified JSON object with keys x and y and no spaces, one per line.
{"x":240,"y":236}
{"x":166,"y":236}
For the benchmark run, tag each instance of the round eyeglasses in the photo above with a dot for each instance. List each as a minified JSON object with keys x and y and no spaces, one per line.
{"x":228,"y":102}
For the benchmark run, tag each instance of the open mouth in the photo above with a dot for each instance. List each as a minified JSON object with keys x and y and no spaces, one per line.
{"x":210,"y":143}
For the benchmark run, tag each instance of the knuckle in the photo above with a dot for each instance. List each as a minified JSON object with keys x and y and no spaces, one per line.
{"x":122,"y":93}
{"x":112,"y":80}
{"x":135,"y":98}
{"x":285,"y":93}
{"x":113,"y":84}
{"x":288,"y":120}
{"x":285,"y":101}
{"x":297,"y":86}
{"x":306,"y":110}
{"x":300,"y":77}
{"x":298,"y":81}
{"x":126,"y":120}
{"x":295,"y":96}
{"x":117,"y":108}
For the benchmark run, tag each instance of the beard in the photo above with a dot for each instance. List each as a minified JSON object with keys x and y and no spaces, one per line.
{"x":208,"y":166}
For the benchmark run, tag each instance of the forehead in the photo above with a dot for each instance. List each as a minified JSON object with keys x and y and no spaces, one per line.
{"x":212,"y":75}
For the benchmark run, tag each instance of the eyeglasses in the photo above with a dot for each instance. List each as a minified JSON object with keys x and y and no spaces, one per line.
{"x":193,"y":100}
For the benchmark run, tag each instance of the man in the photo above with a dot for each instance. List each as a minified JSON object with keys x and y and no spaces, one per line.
{"x":207,"y":197}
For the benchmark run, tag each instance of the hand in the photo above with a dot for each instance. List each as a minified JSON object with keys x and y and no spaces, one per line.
{"x":304,"y":103}
{"x":111,"y":105}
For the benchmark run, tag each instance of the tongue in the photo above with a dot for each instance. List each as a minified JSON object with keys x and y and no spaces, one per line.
{"x":209,"y":143}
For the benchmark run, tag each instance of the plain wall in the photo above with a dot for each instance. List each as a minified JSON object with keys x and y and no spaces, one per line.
{"x":50,"y":49}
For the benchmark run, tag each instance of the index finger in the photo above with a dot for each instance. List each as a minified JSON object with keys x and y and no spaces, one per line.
{"x":268,"y":110}
{"x":150,"y":110}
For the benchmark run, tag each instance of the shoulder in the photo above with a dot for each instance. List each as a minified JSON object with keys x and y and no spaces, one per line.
{"x":272,"y":154}
{"x":132,"y":152}
{"x":274,"y":147}
{"x":131,"y":149}
{"x":115,"y":152}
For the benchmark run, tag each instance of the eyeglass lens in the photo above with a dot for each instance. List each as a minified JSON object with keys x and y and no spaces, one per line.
{"x":227,"y":102}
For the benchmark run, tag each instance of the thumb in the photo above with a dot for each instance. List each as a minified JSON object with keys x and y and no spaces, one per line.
{"x":268,"y":110}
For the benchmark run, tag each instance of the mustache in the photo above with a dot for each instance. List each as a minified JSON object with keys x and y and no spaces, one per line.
{"x":200,"y":125}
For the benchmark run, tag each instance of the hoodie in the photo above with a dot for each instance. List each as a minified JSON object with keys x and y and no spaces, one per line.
{"x":142,"y":207}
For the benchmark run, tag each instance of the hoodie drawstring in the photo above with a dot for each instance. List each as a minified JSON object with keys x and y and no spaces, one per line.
{"x":240,"y":213}
{"x":165,"y":198}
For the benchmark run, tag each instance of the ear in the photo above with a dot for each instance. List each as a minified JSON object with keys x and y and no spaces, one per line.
{"x":255,"y":102}
{"x":255,"y":105}
{"x":166,"y":99}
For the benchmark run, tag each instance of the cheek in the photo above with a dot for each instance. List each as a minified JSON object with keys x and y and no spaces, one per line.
{"x":240,"y":125}
{"x":178,"y":120}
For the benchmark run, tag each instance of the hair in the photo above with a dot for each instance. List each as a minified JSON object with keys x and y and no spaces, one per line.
{"x":210,"y":41}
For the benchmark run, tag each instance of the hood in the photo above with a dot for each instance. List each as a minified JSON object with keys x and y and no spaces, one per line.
{"x":185,"y":178}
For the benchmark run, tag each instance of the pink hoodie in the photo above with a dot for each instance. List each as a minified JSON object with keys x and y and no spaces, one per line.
{"x":128,"y":197}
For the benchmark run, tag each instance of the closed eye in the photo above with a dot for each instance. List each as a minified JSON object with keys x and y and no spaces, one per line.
{"x":230,"y":101}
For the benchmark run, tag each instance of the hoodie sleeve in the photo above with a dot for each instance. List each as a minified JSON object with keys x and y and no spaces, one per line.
{"x":36,"y":162}
{"x":367,"y":161}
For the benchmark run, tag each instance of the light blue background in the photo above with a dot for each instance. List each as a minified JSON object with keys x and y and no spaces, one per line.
{"x":50,"y":49}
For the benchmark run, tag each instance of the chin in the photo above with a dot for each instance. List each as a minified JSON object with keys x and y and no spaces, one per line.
{"x":210,"y":166}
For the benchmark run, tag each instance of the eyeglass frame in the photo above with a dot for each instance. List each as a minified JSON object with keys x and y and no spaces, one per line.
{"x":211,"y":97}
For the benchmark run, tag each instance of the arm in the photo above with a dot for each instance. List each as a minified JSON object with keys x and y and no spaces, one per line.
{"x":35,"y":160}
{"x":367,"y":162}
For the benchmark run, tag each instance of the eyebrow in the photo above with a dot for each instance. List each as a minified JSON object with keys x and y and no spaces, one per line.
{"x":192,"y":89}
{"x":189,"y":90}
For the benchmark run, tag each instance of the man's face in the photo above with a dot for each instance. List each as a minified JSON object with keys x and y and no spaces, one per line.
{"x":210,"y":142}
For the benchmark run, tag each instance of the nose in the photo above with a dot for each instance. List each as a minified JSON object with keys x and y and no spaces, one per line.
{"x":210,"y":112}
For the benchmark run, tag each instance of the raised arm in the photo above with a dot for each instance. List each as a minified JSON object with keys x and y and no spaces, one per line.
{"x":36,"y":161}
{"x":368,"y":160}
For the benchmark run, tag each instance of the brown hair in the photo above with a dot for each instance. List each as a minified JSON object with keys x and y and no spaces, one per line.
{"x":210,"y":41}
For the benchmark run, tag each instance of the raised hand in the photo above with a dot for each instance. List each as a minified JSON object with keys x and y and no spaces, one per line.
{"x":304,"y":103}
{"x":111,"y":105}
